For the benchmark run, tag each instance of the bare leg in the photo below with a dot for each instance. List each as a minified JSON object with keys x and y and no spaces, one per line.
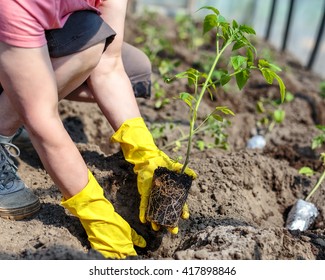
{"x":138,"y":69}
{"x":70,"y":71}
{"x":33,"y":94}
{"x":109,"y":82}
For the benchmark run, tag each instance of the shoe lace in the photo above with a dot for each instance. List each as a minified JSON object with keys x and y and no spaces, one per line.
{"x":8,"y":168}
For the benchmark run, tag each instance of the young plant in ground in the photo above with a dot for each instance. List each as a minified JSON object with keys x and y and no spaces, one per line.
{"x":308,"y":171}
{"x":233,"y":37}
{"x":170,"y":189}
{"x":317,"y":142}
{"x":303,"y":213}
{"x":271,"y":112}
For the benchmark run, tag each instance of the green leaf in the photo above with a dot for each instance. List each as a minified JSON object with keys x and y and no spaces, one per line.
{"x":164,"y":67}
{"x":250,"y":56}
{"x":238,"y":45}
{"x":225,"y":34}
{"x":260,"y":107}
{"x":241,"y":78}
{"x":268,"y":75}
{"x":318,"y":141}
{"x":322,"y":157}
{"x":187,"y":98}
{"x":222,"y":20}
{"x":225,"y":78}
{"x":218,"y":73}
{"x":181,"y":75}
{"x":268,"y":71}
{"x":211,"y":83}
{"x":217,"y":117}
{"x":279,"y":115}
{"x":247,"y":29}
{"x":216,"y":11}
{"x":158,"y":104}
{"x":210,"y":21}
{"x":266,"y":64}
{"x":234,"y":24}
{"x":289,"y":97}
{"x":210,"y":93}
{"x":306,"y":171}
{"x":200,"y":144}
{"x":281,"y":86}
{"x":192,"y":76}
{"x":275,"y":67}
{"x":225,"y":110}
{"x":238,"y":61}
{"x":265,"y":121}
{"x":263,"y":63}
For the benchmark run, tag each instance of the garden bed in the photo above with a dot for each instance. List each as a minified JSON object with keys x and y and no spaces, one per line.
{"x":238,"y":203}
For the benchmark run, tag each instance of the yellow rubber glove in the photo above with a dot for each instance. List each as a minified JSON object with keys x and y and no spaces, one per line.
{"x":139,"y":149}
{"x":107,"y":231}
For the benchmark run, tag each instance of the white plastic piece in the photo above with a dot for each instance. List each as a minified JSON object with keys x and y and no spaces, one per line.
{"x":256,"y":142}
{"x":301,"y":215}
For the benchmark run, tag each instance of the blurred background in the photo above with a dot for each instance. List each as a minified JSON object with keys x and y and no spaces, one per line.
{"x":294,"y":26}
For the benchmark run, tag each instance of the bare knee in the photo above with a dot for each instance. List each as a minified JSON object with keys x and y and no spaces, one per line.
{"x":72,"y":70}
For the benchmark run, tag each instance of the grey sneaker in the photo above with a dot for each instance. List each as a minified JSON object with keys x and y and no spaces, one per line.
{"x":21,"y":138}
{"x":16,"y":200}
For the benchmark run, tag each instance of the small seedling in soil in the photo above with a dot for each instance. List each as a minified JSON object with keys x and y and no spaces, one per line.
{"x":272,"y":114}
{"x":230,"y":36}
{"x":303,"y":213}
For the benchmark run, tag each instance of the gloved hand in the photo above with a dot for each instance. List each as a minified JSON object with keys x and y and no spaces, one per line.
{"x":139,"y":149}
{"x":107,"y":231}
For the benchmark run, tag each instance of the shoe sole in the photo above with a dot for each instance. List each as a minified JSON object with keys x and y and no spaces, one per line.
{"x":20,"y":213}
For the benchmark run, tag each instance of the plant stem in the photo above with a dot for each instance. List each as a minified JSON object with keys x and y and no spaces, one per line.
{"x":316,"y":186}
{"x":197,"y":105}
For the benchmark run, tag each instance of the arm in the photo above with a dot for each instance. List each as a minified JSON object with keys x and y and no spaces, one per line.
{"x":114,"y":95}
{"x":29,"y":81}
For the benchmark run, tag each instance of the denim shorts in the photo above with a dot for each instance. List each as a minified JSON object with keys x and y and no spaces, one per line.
{"x":82,"y":30}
